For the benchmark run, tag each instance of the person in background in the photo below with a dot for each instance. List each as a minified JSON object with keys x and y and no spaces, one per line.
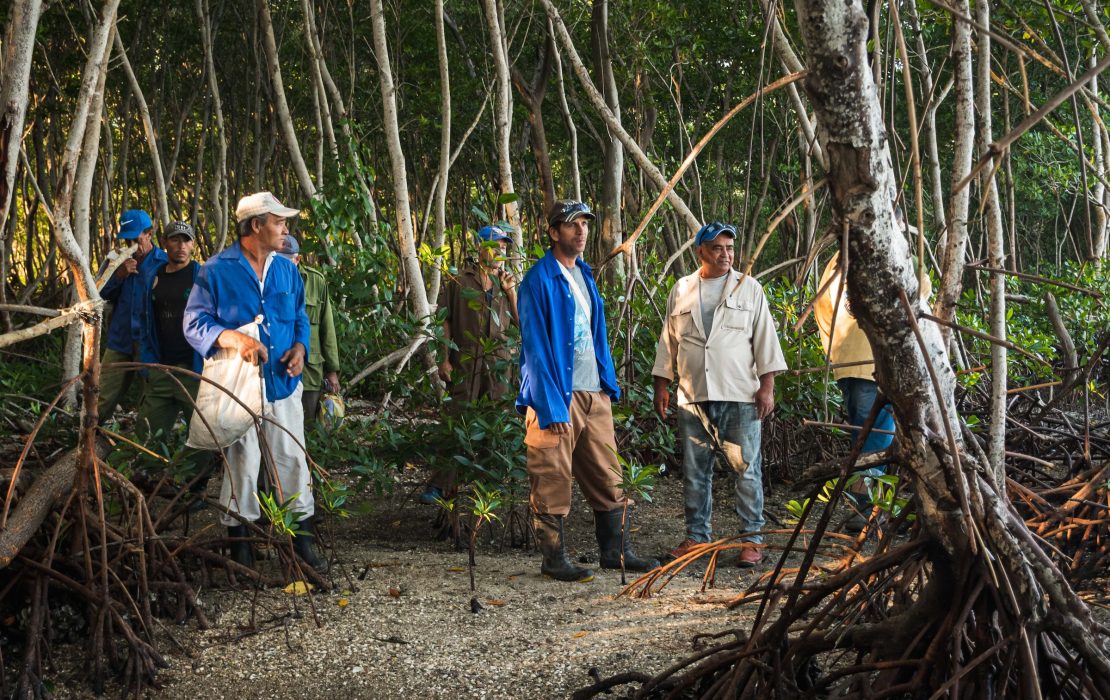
{"x":853,"y":368}
{"x":128,"y":289}
{"x":169,"y":395}
{"x":480,"y":304}
{"x":321,"y":371}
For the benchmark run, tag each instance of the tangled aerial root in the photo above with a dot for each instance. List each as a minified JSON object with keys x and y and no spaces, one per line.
{"x":899,"y":618}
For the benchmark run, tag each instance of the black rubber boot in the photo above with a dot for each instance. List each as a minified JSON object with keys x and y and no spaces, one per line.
{"x":608,"y":527}
{"x":556,"y":564}
{"x":241,"y":549}
{"x":302,"y":545}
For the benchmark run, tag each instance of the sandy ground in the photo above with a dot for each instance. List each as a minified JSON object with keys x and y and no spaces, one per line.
{"x":407,"y":628}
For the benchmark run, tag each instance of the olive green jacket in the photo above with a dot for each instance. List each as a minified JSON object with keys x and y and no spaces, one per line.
{"x":323,"y":349}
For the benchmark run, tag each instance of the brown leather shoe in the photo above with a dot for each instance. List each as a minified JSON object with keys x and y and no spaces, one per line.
{"x":749,"y":557}
{"x":683,"y":548}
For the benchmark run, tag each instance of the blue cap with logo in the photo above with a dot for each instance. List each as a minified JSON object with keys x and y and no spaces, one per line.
{"x":132,"y":223}
{"x":493,"y":233}
{"x":712,"y":230}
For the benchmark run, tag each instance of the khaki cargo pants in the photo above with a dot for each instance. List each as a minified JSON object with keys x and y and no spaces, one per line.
{"x":587,"y":454}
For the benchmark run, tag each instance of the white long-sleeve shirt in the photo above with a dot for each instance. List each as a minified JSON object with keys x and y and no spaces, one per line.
{"x":742,"y":346}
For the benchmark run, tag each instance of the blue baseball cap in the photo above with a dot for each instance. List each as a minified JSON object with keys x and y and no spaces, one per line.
{"x":712,"y":230}
{"x":132,"y":223}
{"x":493,"y":233}
{"x":290,"y":247}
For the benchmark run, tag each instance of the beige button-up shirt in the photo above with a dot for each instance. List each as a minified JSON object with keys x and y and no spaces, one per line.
{"x":742,"y":346}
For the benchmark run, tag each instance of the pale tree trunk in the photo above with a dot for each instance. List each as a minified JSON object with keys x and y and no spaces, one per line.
{"x":1098,"y":139}
{"x":598,"y":100}
{"x":221,"y":207}
{"x":19,"y":47}
{"x":418,"y":299}
{"x":316,"y":64}
{"x":82,"y":196}
{"x":318,"y":112}
{"x":163,"y":213}
{"x":996,"y":252}
{"x":929,"y":125}
{"x":533,"y":96}
{"x":955,"y":238}
{"x":281,"y":106}
{"x":352,"y":146}
{"x":792,"y":64}
{"x":503,"y":113}
{"x":440,"y":194}
{"x":568,"y":119}
{"x":98,"y":51}
{"x":612,"y":178}
{"x":979,"y":541}
{"x":1101,"y":246}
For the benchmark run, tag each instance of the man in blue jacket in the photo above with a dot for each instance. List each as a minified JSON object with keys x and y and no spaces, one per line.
{"x":246,"y":283}
{"x":128,"y":289}
{"x":567,"y":385}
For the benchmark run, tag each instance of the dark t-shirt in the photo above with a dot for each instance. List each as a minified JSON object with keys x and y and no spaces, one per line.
{"x":170,"y":292}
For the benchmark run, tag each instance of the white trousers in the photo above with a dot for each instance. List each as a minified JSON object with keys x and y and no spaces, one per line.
{"x":245,"y":457}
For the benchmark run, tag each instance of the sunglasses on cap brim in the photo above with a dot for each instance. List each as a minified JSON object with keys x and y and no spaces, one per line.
{"x":568,"y":211}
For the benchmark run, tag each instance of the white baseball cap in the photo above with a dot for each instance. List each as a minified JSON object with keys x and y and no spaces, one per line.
{"x":262,"y":203}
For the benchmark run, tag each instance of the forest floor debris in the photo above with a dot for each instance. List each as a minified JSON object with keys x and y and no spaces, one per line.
{"x":407,"y":629}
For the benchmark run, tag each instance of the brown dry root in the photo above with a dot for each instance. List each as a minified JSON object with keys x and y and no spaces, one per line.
{"x":903,"y":619}
{"x":1074,"y":518}
{"x":123,"y":574}
{"x":101,"y":550}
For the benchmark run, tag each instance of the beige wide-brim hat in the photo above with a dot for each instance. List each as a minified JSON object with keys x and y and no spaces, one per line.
{"x":262,"y":203}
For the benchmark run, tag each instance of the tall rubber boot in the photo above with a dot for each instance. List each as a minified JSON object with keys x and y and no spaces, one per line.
{"x":302,"y":545}
{"x":556,"y":564}
{"x":241,"y":549}
{"x":607,"y":524}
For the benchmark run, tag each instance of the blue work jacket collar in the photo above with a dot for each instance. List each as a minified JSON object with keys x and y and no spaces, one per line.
{"x":553,"y":268}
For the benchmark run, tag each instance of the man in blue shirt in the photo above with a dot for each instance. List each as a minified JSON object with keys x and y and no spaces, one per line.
{"x":246,"y":283}
{"x":567,"y":385}
{"x":128,"y":289}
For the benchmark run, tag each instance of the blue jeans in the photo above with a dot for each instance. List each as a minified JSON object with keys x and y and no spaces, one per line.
{"x":859,"y":396}
{"x":729,"y":430}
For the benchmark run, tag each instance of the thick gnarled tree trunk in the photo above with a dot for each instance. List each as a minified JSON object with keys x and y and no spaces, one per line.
{"x":980,"y":541}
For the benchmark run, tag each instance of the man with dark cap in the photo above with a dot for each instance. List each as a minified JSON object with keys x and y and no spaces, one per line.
{"x":249,"y":283}
{"x":567,"y":386}
{"x":167,"y":395}
{"x":480,"y":303}
{"x":321,"y":370}
{"x":128,"y":290}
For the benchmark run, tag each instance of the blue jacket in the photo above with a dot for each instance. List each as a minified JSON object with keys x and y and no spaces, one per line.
{"x":152,"y":331}
{"x":547,"y":341}
{"x":132,"y":313}
{"x":227,"y":295}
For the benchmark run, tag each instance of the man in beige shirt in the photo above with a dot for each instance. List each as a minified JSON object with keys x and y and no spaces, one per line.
{"x":719,"y":342}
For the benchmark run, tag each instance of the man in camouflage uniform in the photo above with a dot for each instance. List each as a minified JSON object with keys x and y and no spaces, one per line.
{"x":480,"y":304}
{"x":321,"y":370}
